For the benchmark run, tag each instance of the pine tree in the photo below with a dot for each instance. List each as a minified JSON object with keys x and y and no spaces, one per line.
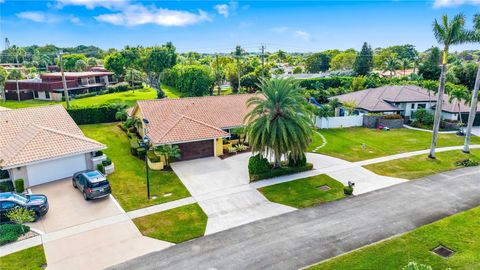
{"x":364,"y":61}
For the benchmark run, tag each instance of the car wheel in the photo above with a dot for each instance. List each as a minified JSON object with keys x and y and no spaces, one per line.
{"x":74,"y":184}
{"x":36,"y":216}
{"x":85,"y":196}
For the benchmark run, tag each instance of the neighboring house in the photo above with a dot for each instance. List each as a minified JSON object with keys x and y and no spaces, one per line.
{"x":50,"y":86}
{"x":196,"y":125}
{"x":403,"y":100}
{"x":43,"y":144}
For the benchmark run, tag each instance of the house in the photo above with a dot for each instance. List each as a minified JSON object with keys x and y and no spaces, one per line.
{"x":197,"y":125}
{"x":49,"y":86}
{"x":403,"y":100}
{"x":43,"y":144}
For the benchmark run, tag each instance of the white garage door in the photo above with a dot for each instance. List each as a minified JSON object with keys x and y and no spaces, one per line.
{"x":55,"y":169}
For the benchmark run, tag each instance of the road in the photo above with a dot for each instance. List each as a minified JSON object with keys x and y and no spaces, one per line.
{"x":307,"y":236}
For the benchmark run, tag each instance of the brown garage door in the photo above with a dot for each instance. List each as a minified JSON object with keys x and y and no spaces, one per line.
{"x":196,"y":149}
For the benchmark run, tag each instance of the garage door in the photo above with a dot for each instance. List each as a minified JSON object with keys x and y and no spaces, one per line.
{"x":48,"y":171}
{"x":196,"y":149}
{"x":477,"y":119}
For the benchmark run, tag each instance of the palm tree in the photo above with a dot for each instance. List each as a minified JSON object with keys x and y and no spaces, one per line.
{"x":475,"y":37}
{"x":404,"y":63}
{"x":460,"y":94}
{"x":80,"y":65}
{"x":391,"y":65}
{"x":18,"y":51}
{"x":447,"y":33}
{"x":279,"y":123}
{"x":169,"y":152}
{"x":415,"y":62}
{"x":238,"y":54}
{"x":16,"y":75}
{"x":3,"y":80}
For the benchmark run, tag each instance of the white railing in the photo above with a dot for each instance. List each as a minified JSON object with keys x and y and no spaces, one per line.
{"x":339,"y":122}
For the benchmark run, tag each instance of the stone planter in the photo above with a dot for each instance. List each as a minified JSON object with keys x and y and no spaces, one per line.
{"x":109,"y":169}
{"x":156,"y":166}
{"x":98,"y":160}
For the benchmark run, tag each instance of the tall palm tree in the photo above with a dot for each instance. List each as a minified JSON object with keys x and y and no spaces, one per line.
{"x":279,"y":123}
{"x":459,"y":94}
{"x":18,"y":51}
{"x":474,"y":37}
{"x":238,"y":54}
{"x":447,"y":33}
{"x":391,"y":65}
{"x":3,"y":80}
{"x":404,"y":63}
{"x":16,"y":75}
{"x":415,"y":62}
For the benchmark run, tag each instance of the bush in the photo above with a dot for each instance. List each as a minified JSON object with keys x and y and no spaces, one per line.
{"x":20,"y":185}
{"x":10,"y":232}
{"x":392,"y":116}
{"x":348,"y":190}
{"x":258,"y":165}
{"x":241,"y":147}
{"x":232,"y":150}
{"x":280,"y":171}
{"x":101,"y":168}
{"x":302,"y":161}
{"x":152,"y":156}
{"x":98,"y":154}
{"x":467,"y":163}
{"x":119,"y":87}
{"x":95,"y":114}
{"x":423,"y":116}
{"x":107,"y":162}
{"x":6,"y":186}
{"x":141,"y":152}
{"x":79,"y":96}
{"x":4,"y":174}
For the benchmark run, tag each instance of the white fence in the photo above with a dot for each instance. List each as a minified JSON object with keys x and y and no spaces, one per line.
{"x":339,"y":122}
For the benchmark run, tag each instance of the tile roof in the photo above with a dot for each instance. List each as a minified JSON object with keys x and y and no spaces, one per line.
{"x":191,"y":119}
{"x":40,"y":133}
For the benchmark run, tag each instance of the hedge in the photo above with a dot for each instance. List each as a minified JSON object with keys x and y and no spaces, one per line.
{"x":6,"y":186}
{"x":11,"y":232}
{"x":119,"y":87}
{"x":280,"y":171}
{"x":258,"y":165}
{"x":94,"y":114}
{"x":19,"y":185}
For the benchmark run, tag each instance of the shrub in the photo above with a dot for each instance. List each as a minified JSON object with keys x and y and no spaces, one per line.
{"x":154,"y":158}
{"x":467,"y":163}
{"x":232,"y":149}
{"x":292,"y":162}
{"x":348,"y":190}
{"x":141,"y":152}
{"x":98,"y":154}
{"x":20,"y":185}
{"x":95,"y":114}
{"x":107,"y":162}
{"x":79,"y":96}
{"x":423,"y":116}
{"x":4,"y":174}
{"x":134,"y":146}
{"x":392,"y":116}
{"x":6,"y":186}
{"x":101,"y":168}
{"x":10,"y":232}
{"x":119,"y":87}
{"x":241,"y":147}
{"x":280,"y":171}
{"x":258,"y":164}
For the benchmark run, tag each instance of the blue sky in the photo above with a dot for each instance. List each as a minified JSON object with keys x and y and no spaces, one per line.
{"x":217,"y":26}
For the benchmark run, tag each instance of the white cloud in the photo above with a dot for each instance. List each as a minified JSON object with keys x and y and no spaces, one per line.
{"x":42,"y":17}
{"x":281,"y":29}
{"x":303,"y":35}
{"x":226,"y":9}
{"x":36,"y":16}
{"x":133,"y":15}
{"x":454,"y":3}
{"x":91,"y":4}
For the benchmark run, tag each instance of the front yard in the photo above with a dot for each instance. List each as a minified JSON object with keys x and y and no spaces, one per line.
{"x":305,"y":192}
{"x":459,"y":232}
{"x":27,"y":259}
{"x":420,"y":166}
{"x":355,"y":144}
{"x":128,"y":181}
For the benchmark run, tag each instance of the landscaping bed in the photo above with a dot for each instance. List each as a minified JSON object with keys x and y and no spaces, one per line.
{"x":420,"y":165}
{"x":30,"y":258}
{"x":12,"y":232}
{"x":458,"y":232}
{"x":305,"y":192}
{"x":260,"y":168}
{"x":175,"y":225}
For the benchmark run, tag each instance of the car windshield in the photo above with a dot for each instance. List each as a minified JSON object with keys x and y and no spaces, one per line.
{"x":20,"y":198}
{"x":97,"y":184}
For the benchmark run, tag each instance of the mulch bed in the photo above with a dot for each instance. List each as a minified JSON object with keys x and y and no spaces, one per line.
{"x":227,"y":154}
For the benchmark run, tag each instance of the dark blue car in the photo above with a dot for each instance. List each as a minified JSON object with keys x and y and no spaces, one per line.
{"x":10,"y":200}
{"x":92,"y":184}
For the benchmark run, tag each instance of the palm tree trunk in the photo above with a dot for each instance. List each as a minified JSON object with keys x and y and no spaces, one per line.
{"x":18,"y":90}
{"x":473,"y":111}
{"x":438,"y":110}
{"x":238,"y":74}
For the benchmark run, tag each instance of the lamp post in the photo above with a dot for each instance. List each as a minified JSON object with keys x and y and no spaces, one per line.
{"x":146,"y":145}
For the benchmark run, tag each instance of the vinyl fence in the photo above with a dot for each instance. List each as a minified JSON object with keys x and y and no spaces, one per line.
{"x":339,"y":122}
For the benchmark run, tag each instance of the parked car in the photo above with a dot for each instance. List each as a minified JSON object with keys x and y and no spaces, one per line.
{"x":92,"y":184}
{"x":38,"y":203}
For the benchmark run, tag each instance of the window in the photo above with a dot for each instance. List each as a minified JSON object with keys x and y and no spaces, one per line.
{"x":35,"y":94}
{"x":47,"y":94}
{"x":422,"y":106}
{"x":413,"y":106}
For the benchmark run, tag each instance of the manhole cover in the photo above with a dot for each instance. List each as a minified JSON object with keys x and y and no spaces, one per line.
{"x":443,"y":251}
{"x":324,"y":187}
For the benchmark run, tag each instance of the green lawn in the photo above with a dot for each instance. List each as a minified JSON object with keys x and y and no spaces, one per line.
{"x":304,"y":192}
{"x":27,"y":259}
{"x":420,"y":166}
{"x":459,"y":232}
{"x":347,"y":143}
{"x":175,"y":225}
{"x":171,"y":92}
{"x":128,"y":181}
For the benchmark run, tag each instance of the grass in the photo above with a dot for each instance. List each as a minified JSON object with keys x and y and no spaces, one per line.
{"x":171,"y":92}
{"x":304,"y":192}
{"x":347,"y":143}
{"x":175,"y":225}
{"x":458,"y":232}
{"x":420,"y":166}
{"x":129,"y":181}
{"x":27,"y":259}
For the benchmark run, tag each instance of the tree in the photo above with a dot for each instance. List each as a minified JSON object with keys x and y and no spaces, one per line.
{"x":350,"y":106}
{"x":42,"y":59}
{"x":391,"y":65}
{"x":115,"y":63}
{"x":364,"y":61}
{"x":474,"y":37}
{"x":18,"y":51}
{"x":132,"y":75}
{"x":238,"y":55}
{"x":193,"y":80}
{"x":3,"y":80}
{"x":69,"y":60}
{"x":279,"y":123}
{"x":21,"y":216}
{"x":156,"y":59}
{"x":317,"y":62}
{"x":91,"y":62}
{"x":218,"y":73}
{"x":447,"y":33}
{"x":430,"y":69}
{"x":404,"y":63}
{"x":344,"y":60}
{"x":297,"y":70}
{"x":16,"y":75}
{"x":80,"y":65}
{"x":460,"y":94}
{"x":169,"y":152}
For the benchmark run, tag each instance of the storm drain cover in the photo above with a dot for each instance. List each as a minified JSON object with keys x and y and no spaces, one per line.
{"x":324,"y":187}
{"x":443,"y":251}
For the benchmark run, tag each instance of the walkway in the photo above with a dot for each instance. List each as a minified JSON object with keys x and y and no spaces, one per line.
{"x":310,"y":235}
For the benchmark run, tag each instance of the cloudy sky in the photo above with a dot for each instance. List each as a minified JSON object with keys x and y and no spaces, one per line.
{"x":217,"y":26}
